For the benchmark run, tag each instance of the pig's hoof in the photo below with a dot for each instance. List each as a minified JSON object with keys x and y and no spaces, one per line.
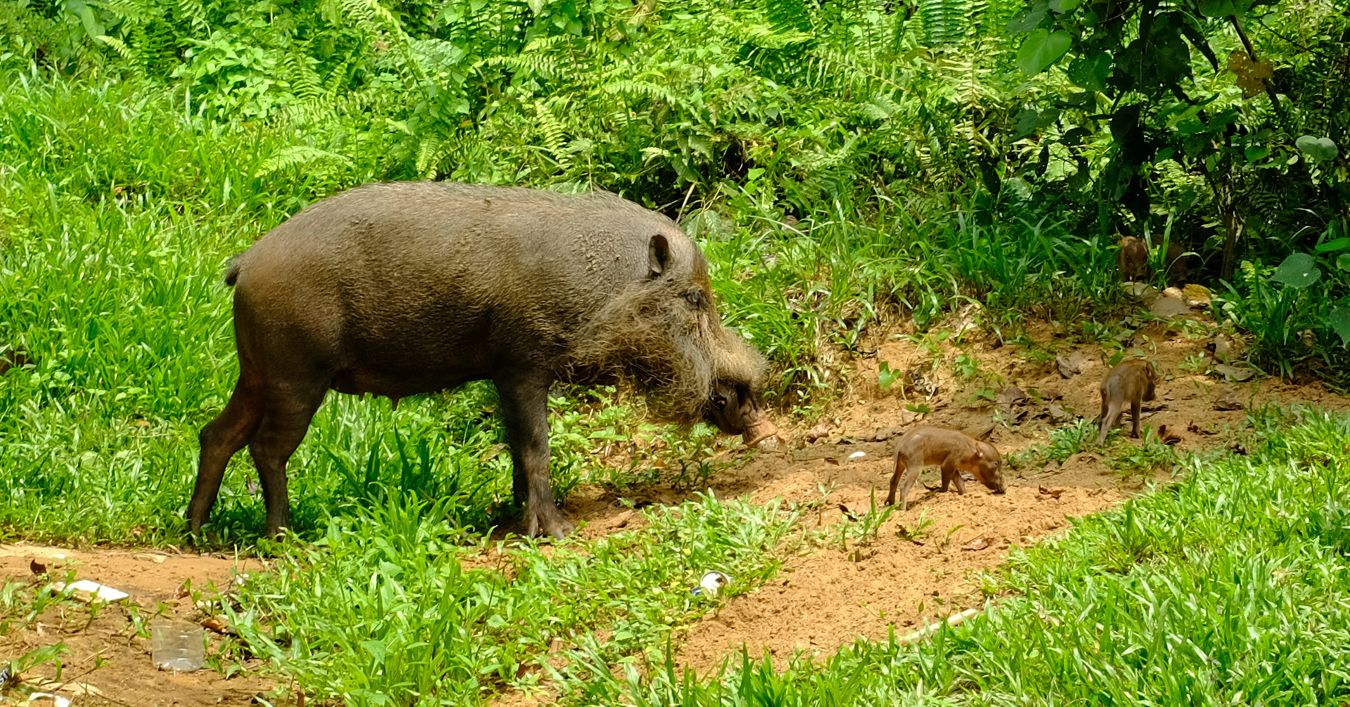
{"x":551,"y":525}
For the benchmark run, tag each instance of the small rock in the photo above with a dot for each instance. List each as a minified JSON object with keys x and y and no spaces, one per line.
{"x":1168,"y":307}
{"x":1173,"y":293}
{"x":1196,"y":296}
{"x":1228,"y":400}
{"x":817,"y":433}
{"x":883,"y":435}
{"x":1070,"y":365}
{"x":1234,"y":373}
{"x":1012,"y":395}
{"x":857,"y":455}
{"x":1057,"y":414}
{"x":975,"y":545}
{"x":1141,"y":290}
{"x":982,"y":432}
{"x":1221,"y":347}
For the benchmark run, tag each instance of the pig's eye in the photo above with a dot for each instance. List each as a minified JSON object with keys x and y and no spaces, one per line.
{"x":695,"y":298}
{"x":720,"y":402}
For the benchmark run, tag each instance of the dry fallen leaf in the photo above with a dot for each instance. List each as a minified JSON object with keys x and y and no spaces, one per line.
{"x":218,"y":625}
{"x":1052,"y":493}
{"x":978,"y":543}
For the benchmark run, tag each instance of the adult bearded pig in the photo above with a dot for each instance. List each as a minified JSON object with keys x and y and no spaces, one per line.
{"x":407,"y":288}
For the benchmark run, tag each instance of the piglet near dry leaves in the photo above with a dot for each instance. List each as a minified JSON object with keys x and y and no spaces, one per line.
{"x":1130,"y":383}
{"x":401,"y":289}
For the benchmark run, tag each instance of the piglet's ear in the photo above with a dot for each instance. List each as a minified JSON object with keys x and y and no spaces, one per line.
{"x":658,"y":255}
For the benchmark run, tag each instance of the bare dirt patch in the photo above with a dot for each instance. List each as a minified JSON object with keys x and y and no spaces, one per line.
{"x":925,"y":563}
{"x":104,"y":662}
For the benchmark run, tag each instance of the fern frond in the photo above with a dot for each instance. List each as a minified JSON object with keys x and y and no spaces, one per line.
{"x":430,"y":151}
{"x":555,"y":136}
{"x":767,"y":36}
{"x":304,"y":80}
{"x":641,"y":89}
{"x":945,"y":21}
{"x":788,"y":15}
{"x":373,"y":17}
{"x":118,"y":47}
{"x":543,"y":65}
{"x":297,"y":156}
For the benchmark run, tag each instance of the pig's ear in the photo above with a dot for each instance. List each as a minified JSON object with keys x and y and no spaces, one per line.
{"x":658,"y":255}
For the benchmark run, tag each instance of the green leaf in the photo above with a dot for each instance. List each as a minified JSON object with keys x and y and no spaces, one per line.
{"x":1062,"y":6}
{"x":376,"y":649}
{"x":1256,"y":153}
{"x":1343,"y":262}
{"x":1339,"y":319}
{"x":1333,"y":245}
{"x":1091,"y":71}
{"x":1320,"y":149}
{"x":1041,"y":49}
{"x":92,"y":26}
{"x":1028,"y":19}
{"x":1027,"y":122}
{"x":885,"y":376}
{"x":1224,"y":8}
{"x":1298,"y":271}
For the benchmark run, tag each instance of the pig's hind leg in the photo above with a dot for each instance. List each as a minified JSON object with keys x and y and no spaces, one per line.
{"x":289,"y":409}
{"x":220,"y":439}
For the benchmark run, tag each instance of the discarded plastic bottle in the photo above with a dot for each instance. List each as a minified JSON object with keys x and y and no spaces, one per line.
{"x":177,"y":646}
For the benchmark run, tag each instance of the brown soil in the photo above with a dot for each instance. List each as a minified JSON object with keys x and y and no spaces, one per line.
{"x":104,"y":662}
{"x":924,"y":564}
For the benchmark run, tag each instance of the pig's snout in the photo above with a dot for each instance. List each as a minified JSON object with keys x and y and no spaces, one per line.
{"x":761,"y":433}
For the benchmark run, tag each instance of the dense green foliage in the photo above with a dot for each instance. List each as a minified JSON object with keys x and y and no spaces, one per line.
{"x":872,"y":129}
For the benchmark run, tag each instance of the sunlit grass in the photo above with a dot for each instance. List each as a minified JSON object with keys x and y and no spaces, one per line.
{"x":393,"y":601}
{"x":1227,"y":587}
